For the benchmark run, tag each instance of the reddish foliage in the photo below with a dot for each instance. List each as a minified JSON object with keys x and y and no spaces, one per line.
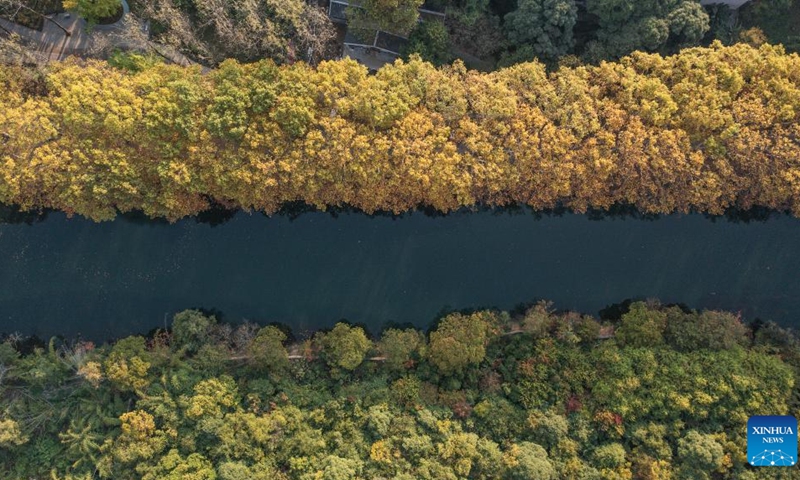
{"x":527,"y":367}
{"x":573,"y":404}
{"x":162,"y":338}
{"x":462,"y":409}
{"x":617,"y":419}
{"x":491,"y":382}
{"x":608,"y":420}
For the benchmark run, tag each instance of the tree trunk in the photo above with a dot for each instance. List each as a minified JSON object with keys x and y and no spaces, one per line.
{"x":66,"y":32}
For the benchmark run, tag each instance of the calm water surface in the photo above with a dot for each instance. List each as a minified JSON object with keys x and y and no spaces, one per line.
{"x":73,"y":276}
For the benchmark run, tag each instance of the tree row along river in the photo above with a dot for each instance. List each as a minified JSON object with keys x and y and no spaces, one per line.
{"x":704,"y":130}
{"x":100,"y":280}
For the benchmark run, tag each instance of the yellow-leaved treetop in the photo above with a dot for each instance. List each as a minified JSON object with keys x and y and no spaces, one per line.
{"x":707,"y":129}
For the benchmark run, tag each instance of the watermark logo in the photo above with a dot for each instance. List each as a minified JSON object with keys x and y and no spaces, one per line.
{"x":772,"y":441}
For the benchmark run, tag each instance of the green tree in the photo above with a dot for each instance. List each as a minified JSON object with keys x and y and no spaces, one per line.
{"x":93,"y":10}
{"x":543,"y":25}
{"x":610,"y":455}
{"x":212,"y":398}
{"x":699,"y":455}
{"x":8,"y":354}
{"x":771,"y":21}
{"x":128,"y":364}
{"x":344,"y":346}
{"x":628,"y":25}
{"x":688,"y":22}
{"x":191,"y":329}
{"x":642,"y":326}
{"x":499,"y":419}
{"x":611,"y":460}
{"x":651,"y":438}
{"x":460,"y":341}
{"x":401,"y":347}
{"x":539,"y":320}
{"x":429,"y":39}
{"x":548,"y":428}
{"x":767,"y":8}
{"x":708,"y":329}
{"x":406,"y":390}
{"x":241,"y":471}
{"x":173,"y":466}
{"x":395,"y":16}
{"x":528,"y":460}
{"x":267,"y":350}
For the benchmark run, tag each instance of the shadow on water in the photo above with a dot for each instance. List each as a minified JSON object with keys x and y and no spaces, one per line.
{"x":219,"y":214}
{"x":615,"y":311}
{"x":137,"y":217}
{"x":12,"y":214}
{"x":286,"y":329}
{"x":295,"y":210}
{"x":751,"y":215}
{"x":393,"y":325}
{"x":214,"y":216}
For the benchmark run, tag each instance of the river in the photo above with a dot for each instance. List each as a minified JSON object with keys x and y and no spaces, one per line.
{"x":101,"y":280}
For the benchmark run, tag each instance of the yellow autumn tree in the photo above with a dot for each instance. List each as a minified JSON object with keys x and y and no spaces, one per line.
{"x":704,"y":130}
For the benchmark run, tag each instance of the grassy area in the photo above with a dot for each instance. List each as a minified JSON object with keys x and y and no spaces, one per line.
{"x":779,"y":24}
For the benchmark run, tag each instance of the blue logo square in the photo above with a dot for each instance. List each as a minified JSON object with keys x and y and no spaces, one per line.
{"x":772,"y":441}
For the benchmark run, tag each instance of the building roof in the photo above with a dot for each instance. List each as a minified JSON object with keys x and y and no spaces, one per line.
{"x":385,"y":41}
{"x":337,"y":11}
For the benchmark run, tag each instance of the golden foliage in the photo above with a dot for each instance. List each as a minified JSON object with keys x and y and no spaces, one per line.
{"x":707,"y":129}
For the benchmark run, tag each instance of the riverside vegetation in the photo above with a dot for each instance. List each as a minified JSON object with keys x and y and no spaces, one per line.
{"x":482,"y":395}
{"x":705,"y":129}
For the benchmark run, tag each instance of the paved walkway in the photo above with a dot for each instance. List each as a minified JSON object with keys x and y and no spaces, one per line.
{"x":53,"y":44}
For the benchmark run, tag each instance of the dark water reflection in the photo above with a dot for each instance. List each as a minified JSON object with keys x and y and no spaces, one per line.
{"x":73,"y":276}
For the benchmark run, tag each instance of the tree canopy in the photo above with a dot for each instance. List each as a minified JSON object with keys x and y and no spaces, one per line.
{"x":430,"y":40}
{"x":94,"y":10}
{"x":365,"y":17}
{"x":344,"y":346}
{"x":628,"y":25}
{"x":522,"y":404}
{"x":545,"y":26}
{"x":704,"y":130}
